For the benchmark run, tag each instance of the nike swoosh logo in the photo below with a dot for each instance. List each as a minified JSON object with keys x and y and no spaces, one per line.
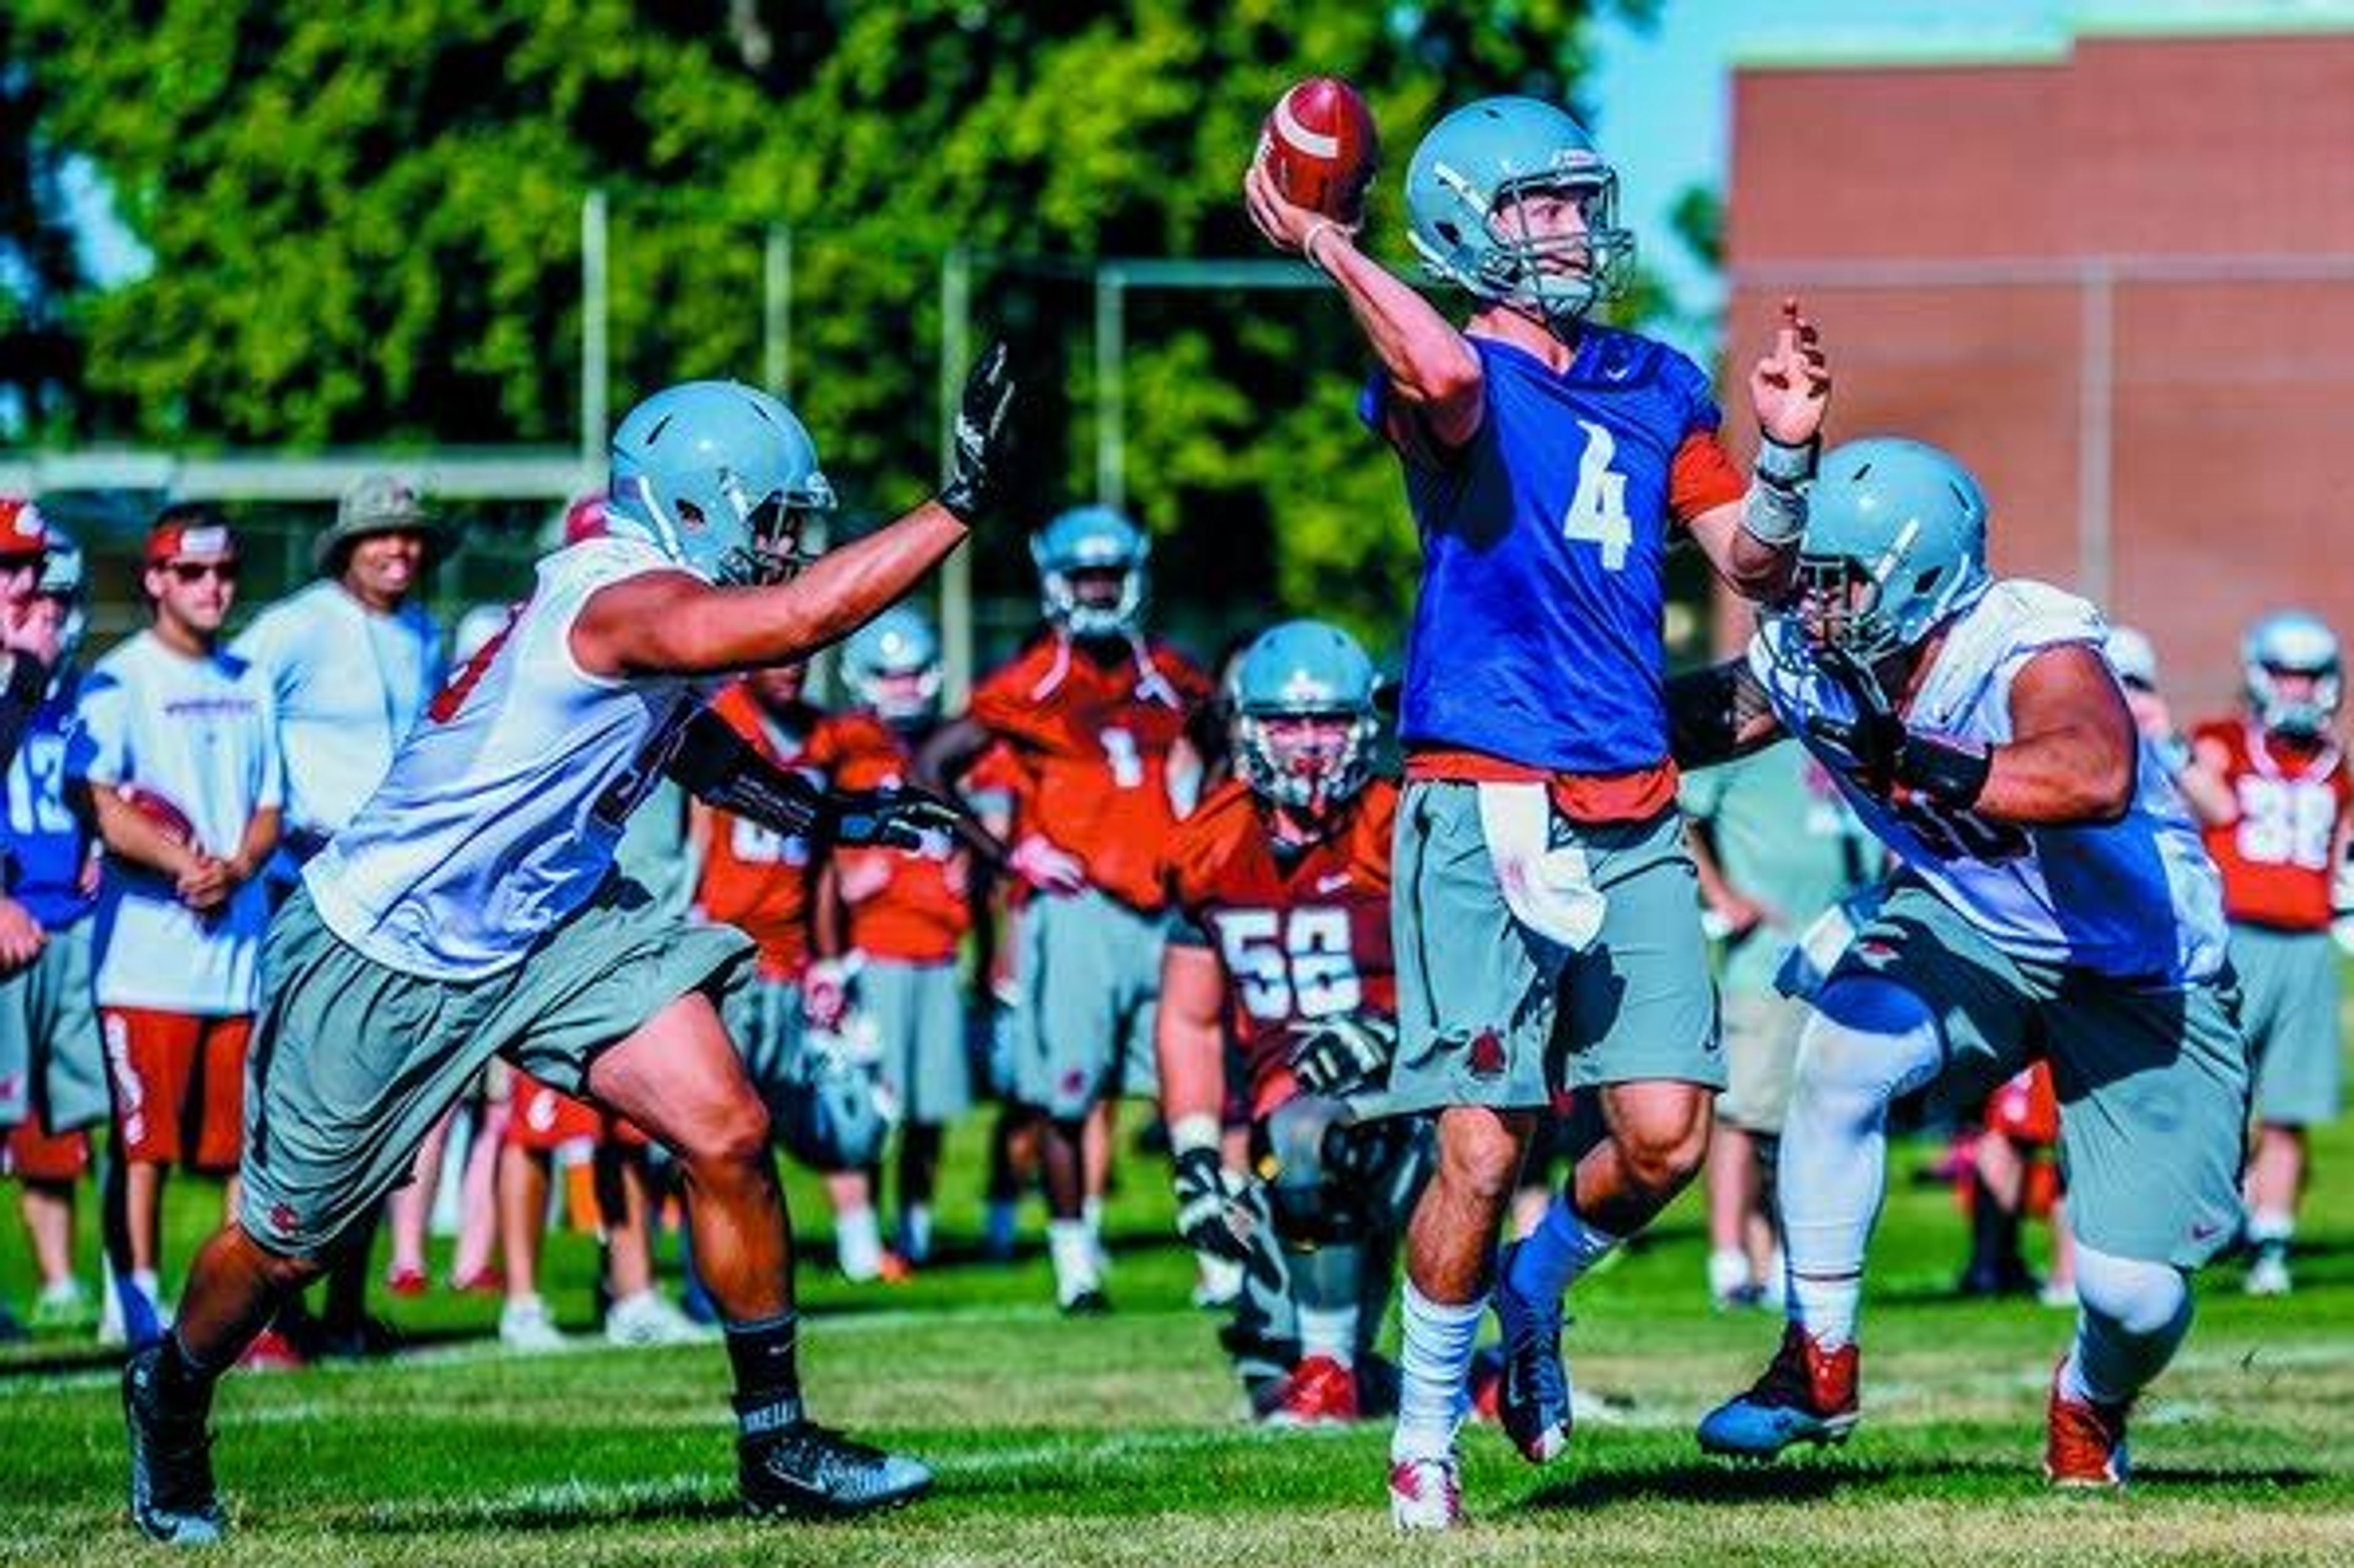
{"x":1333,"y":883}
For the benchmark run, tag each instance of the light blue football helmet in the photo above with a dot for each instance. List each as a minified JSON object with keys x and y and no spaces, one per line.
{"x":2293,"y":643}
{"x":1895,"y":545}
{"x":1092,"y":539}
{"x":1304,"y":669}
{"x":1470,"y":167}
{"x":719,"y":476}
{"x":898,"y":644}
{"x":65,"y":578}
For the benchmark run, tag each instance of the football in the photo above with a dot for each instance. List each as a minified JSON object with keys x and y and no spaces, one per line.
{"x":160,"y":809}
{"x":1319,"y":144}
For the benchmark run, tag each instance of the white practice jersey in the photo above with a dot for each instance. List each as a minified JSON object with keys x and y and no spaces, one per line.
{"x":350,"y":683}
{"x":2137,"y":899}
{"x":505,"y":806}
{"x":203,"y":734}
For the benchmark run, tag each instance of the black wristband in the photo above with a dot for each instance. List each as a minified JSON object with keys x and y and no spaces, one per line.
{"x":1948,"y":772}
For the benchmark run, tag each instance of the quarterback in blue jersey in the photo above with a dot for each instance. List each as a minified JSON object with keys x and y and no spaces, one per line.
{"x":1546,"y":921}
{"x":2055,"y":901}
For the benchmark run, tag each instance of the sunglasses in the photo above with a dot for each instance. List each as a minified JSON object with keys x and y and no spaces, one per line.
{"x":197,"y":571}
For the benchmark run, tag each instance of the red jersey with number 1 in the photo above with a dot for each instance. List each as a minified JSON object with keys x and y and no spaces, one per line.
{"x":2275,"y":856}
{"x":1301,"y":936}
{"x":1094,"y":739}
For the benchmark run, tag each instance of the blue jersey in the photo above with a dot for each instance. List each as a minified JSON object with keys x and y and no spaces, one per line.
{"x":47,"y":842}
{"x":1536,"y":635}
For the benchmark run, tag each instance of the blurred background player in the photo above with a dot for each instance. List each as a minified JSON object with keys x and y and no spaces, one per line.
{"x":1548,"y":938}
{"x":28,"y":637}
{"x":350,"y":659}
{"x":45,"y":1007}
{"x":1095,"y":714}
{"x":2272,"y":786}
{"x":1776,"y":849}
{"x":898,"y":916}
{"x":178,"y":742}
{"x":2056,"y":901}
{"x":1282,"y":882}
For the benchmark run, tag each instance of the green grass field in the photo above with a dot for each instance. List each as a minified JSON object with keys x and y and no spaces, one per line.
{"x":1119,"y":1441}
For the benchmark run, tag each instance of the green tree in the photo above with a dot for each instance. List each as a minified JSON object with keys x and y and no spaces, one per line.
{"x":363,"y":225}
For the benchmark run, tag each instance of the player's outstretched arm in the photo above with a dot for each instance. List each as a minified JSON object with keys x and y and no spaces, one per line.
{"x":1189,"y":1041}
{"x":1432,"y":366}
{"x":2074,"y":750}
{"x":673,"y":623}
{"x":1754,"y":543}
{"x":1717,"y":713}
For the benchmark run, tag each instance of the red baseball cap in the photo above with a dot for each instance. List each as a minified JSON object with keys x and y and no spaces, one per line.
{"x":204,"y":537}
{"x":23,"y":532}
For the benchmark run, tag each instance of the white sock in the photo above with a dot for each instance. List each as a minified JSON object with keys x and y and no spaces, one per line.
{"x":2131,"y":1317}
{"x":1091,"y":1215}
{"x":1073,"y":1251}
{"x":2270,"y":1227}
{"x":1330,"y":1332}
{"x":1728,"y":1271}
{"x":858,"y":1245}
{"x":148,"y":1284}
{"x":1433,"y":1373}
{"x":1552,"y":1256}
{"x":1872,"y":1041}
{"x":915,"y":1233}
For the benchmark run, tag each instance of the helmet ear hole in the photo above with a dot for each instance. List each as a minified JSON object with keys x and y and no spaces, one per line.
{"x":1928,"y":579}
{"x":689,"y":514}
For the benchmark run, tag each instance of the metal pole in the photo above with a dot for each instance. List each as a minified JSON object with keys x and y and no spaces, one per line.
{"x":776,"y":318}
{"x":1111,"y":359}
{"x":2096,"y":437}
{"x":594,"y":349}
{"x":956,"y":574}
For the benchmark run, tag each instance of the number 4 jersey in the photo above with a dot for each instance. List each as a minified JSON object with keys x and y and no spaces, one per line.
{"x":1301,"y":936}
{"x":2137,"y":899}
{"x":504,"y":804}
{"x":2276,"y":855}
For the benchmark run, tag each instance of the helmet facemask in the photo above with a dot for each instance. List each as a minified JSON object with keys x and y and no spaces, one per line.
{"x":2305,"y":717}
{"x":1558,"y":278}
{"x":1066,"y":606}
{"x":1310,"y":759}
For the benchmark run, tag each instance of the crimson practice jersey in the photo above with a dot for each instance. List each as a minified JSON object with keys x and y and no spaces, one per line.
{"x":1301,"y":936}
{"x":2274,"y":856}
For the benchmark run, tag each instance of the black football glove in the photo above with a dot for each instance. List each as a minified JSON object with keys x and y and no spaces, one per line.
{"x":1210,"y":1213}
{"x":1336,"y":1056}
{"x":1876,"y":749}
{"x":980,"y":466}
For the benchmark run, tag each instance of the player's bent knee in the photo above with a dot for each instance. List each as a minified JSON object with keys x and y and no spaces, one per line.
{"x":732,"y":1138}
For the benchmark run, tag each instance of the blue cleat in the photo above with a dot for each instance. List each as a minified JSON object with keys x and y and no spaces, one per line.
{"x":1532,"y":1396}
{"x":172,"y":1495}
{"x":804,"y":1470}
{"x":1807,"y":1395}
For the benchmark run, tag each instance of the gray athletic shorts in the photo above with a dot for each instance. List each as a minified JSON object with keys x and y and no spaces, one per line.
{"x":1088,"y":976}
{"x":2153,"y":1079}
{"x":917,"y":1011}
{"x":1761,"y":1057}
{"x":352,"y":1062}
{"x":50,"y":1048}
{"x":2288,"y":1005}
{"x":1490,"y":1014}
{"x":764,"y":1021}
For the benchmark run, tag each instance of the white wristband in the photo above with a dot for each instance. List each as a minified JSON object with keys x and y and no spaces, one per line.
{"x":1771,"y":515}
{"x":1316,"y":231}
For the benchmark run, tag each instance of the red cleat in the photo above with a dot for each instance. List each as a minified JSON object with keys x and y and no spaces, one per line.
{"x":272,"y":1352}
{"x":406,"y":1281}
{"x":2085,"y":1441}
{"x":488,"y":1282}
{"x":1319,"y":1391}
{"x":895,"y":1269}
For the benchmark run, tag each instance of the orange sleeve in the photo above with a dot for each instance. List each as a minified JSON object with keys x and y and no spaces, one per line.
{"x":1702,"y":477}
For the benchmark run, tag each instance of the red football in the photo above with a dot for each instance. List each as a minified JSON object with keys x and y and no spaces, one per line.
{"x":1321,"y":146}
{"x":159,"y":810}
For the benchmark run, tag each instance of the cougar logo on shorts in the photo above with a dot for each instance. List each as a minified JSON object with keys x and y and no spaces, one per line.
{"x":284,"y":1220}
{"x":1487,"y":1058}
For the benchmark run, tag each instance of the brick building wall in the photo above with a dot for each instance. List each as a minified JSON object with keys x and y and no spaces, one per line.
{"x":2117,"y":280}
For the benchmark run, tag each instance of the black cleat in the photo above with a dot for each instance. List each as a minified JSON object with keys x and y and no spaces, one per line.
{"x":1088,"y":1303}
{"x":807,"y":1471}
{"x":172,"y":1495}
